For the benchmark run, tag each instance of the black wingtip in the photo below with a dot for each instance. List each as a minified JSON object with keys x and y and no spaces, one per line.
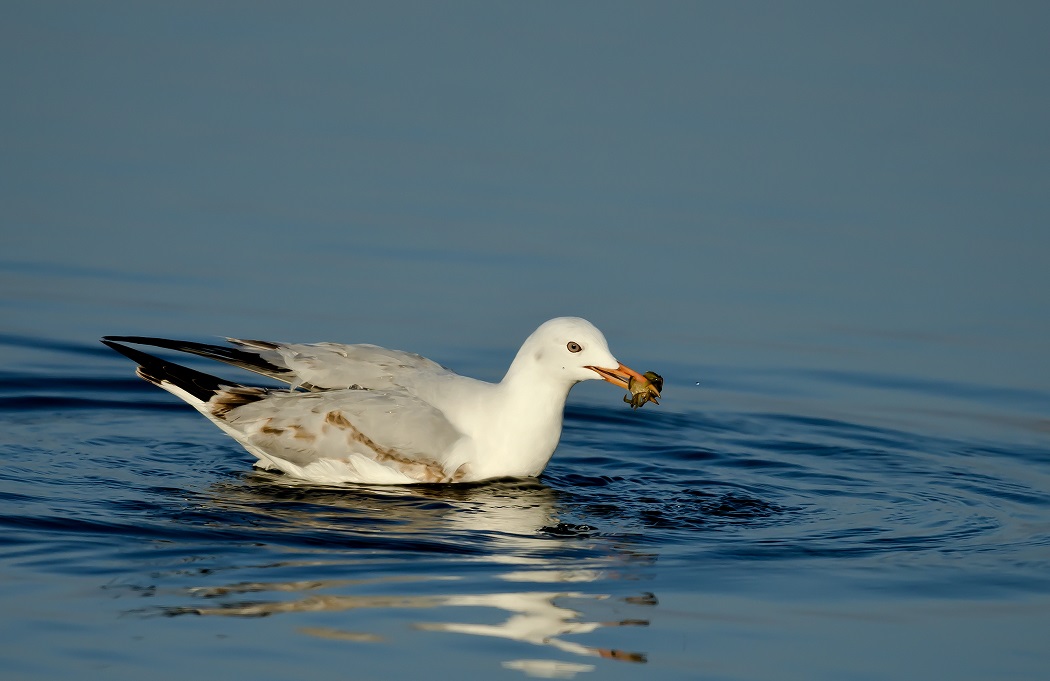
{"x":130,"y":353}
{"x":244,"y":359}
{"x":156,"y":370}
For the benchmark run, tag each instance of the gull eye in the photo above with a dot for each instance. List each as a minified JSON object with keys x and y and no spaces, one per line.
{"x":574,"y":346}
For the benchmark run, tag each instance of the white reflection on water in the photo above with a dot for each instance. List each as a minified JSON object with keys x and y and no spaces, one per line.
{"x":539,"y":618}
{"x":536,"y":617}
{"x":549,"y":669}
{"x":504,"y":524}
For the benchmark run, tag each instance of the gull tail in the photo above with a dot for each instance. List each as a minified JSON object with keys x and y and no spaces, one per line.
{"x":212,"y":396}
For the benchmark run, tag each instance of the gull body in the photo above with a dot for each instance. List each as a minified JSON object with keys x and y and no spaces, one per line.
{"x":366,"y":414}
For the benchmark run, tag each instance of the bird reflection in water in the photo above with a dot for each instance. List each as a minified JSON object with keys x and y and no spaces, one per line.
{"x":506,"y":524}
{"x":535,"y":617}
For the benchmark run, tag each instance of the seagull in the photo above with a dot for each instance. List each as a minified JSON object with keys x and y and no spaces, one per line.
{"x":367,"y":414}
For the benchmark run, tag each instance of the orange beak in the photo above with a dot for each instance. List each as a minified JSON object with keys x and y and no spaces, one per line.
{"x":620,"y":376}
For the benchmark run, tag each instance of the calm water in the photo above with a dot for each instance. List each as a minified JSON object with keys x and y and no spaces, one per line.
{"x":694,"y":539}
{"x":826,"y":226}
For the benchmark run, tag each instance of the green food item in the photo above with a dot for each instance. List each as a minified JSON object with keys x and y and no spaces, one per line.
{"x":644,"y":390}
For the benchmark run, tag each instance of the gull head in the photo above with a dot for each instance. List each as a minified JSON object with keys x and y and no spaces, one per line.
{"x":569,"y":350}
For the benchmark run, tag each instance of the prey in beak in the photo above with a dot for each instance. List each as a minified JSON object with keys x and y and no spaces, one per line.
{"x":643,"y":387}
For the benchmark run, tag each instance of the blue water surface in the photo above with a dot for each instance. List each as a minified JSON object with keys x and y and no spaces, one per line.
{"x":684,"y":538}
{"x":823,"y":224}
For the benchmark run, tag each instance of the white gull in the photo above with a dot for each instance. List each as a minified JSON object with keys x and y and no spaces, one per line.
{"x":366,"y":414}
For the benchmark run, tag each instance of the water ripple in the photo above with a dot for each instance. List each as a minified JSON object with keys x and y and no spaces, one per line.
{"x":104,"y":475}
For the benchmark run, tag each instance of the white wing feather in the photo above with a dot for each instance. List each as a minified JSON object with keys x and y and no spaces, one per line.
{"x":337,"y":365}
{"x":354,"y":434}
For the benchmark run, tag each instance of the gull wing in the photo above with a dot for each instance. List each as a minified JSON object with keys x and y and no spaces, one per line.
{"x":349,"y":435}
{"x":342,"y":435}
{"x":311,"y":366}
